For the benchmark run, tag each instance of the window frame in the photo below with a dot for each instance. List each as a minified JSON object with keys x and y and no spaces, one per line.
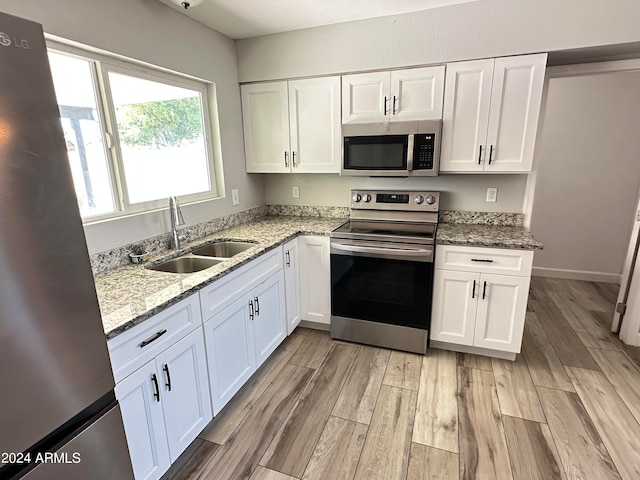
{"x":100,"y":66}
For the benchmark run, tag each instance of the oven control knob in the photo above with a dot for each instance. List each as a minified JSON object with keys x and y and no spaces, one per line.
{"x":356,"y":197}
{"x":431,"y":199}
{"x":366,"y":197}
{"x":419,"y":199}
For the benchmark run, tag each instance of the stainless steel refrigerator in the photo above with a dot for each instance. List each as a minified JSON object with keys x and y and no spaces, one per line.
{"x":59,"y":418}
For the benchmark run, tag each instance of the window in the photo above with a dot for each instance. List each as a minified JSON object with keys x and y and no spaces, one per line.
{"x":134,"y":137}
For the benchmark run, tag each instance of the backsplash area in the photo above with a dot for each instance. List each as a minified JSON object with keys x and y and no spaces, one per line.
{"x":117,"y":257}
{"x":482,"y":218}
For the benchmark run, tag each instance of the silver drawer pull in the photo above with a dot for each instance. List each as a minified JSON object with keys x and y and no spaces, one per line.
{"x":484,"y":260}
{"x":152,"y":338}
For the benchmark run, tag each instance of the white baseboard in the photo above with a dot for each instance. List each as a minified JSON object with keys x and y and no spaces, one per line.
{"x":487,"y":352}
{"x":577,"y":275}
{"x":315,"y":325}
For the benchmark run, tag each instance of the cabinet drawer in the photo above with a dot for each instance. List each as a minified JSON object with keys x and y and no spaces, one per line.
{"x":219,"y":294}
{"x":135,"y":347}
{"x":484,"y":260}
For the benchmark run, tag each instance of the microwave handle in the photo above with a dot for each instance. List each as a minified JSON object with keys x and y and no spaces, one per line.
{"x":410,"y":152}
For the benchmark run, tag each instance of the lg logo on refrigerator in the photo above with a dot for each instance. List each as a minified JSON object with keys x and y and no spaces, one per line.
{"x":7,"y":41}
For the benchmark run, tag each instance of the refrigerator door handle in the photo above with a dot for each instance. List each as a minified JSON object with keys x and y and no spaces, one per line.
{"x":167,"y":383}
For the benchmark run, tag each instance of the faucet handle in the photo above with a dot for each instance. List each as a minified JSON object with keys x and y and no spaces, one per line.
{"x":180,"y":218}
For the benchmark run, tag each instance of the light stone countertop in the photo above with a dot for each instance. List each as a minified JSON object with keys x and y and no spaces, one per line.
{"x":130,"y":294}
{"x":498,"y":236}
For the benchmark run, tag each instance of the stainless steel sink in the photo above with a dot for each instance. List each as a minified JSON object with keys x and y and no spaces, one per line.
{"x":223,"y":249}
{"x":186,"y":264}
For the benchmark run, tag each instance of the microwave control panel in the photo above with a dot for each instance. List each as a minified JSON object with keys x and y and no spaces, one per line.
{"x":423,"y":151}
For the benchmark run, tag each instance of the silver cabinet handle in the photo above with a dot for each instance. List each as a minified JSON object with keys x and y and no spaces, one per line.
{"x":394,"y":105}
{"x":257,"y":300}
{"x":473,"y":290}
{"x":480,"y":156}
{"x":385,"y":104}
{"x":286,"y":163}
{"x":288,"y":258}
{"x":490,"y":153}
{"x":293,"y":158}
{"x":251,"y":310}
{"x":484,"y":290}
{"x":484,"y":260}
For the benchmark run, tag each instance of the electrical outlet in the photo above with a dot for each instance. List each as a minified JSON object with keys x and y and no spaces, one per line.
{"x":296,"y":192}
{"x":492,"y":194}
{"x":235,"y":197}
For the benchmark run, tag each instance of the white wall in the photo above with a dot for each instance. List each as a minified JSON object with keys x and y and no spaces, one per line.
{"x":459,"y":192}
{"x":588,"y":157}
{"x":149,"y":31}
{"x":486,"y":28}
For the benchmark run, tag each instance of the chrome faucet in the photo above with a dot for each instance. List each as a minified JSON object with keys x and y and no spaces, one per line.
{"x":176,"y":220}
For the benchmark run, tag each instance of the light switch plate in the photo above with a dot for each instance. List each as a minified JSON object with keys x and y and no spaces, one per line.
{"x":296,"y":192}
{"x":235,"y":197}
{"x":492,"y":194}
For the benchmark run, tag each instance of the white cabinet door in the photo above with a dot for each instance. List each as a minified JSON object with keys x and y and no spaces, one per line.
{"x":265,"y":119}
{"x":417,"y":93}
{"x":184,"y":387}
{"x":140,"y":402}
{"x":314,"y":116}
{"x":502,"y":305}
{"x":515,"y":107}
{"x":465,"y":116}
{"x":269,"y":318}
{"x":453,"y":315}
{"x":292,"y":284}
{"x":230,"y":356}
{"x":365,"y":97}
{"x":315,"y":279}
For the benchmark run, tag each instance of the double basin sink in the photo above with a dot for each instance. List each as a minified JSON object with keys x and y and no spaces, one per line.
{"x":203,"y":257}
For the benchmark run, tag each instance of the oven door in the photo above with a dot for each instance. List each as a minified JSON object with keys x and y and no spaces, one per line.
{"x":370,"y":155}
{"x":381,"y":282}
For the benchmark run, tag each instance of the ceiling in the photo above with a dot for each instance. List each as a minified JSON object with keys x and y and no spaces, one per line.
{"x":252,"y":18}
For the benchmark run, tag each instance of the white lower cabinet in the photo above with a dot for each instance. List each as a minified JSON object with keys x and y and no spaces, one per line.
{"x":315,"y":279}
{"x":165,"y":405}
{"x":242,"y":335}
{"x":292,"y":284}
{"x":474,"y":307}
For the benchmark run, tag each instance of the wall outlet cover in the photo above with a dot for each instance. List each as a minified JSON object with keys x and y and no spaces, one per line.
{"x":235,"y":197}
{"x":492,"y":194}
{"x":296,"y":192}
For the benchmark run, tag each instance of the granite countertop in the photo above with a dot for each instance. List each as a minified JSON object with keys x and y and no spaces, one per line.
{"x":130,"y":294}
{"x":499,"y":236}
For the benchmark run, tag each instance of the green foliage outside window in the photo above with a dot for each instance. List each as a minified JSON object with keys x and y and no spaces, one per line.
{"x":168,"y":123}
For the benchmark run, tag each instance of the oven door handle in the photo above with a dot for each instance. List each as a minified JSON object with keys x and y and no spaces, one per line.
{"x":425,"y":254}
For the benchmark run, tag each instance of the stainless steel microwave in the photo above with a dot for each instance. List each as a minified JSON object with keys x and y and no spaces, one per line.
{"x":400,"y":149}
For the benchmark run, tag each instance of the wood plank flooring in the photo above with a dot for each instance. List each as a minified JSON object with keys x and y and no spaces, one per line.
{"x":567,"y":408}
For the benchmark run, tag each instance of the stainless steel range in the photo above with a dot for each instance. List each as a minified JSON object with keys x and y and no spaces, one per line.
{"x":382,"y":269}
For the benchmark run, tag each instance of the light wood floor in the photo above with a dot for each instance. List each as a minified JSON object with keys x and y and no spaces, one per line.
{"x":567,"y":408}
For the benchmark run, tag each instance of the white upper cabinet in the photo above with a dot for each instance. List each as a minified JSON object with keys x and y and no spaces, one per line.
{"x":365,"y":97}
{"x":465,"y":115}
{"x":490,"y":114}
{"x":399,"y":95}
{"x":416,"y":94}
{"x":314,"y":116}
{"x":265,"y":118}
{"x":292,"y":126}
